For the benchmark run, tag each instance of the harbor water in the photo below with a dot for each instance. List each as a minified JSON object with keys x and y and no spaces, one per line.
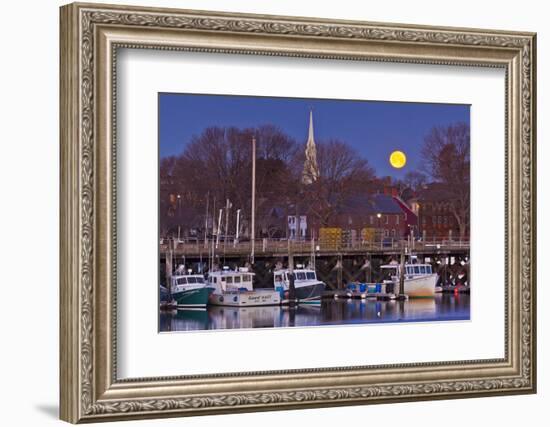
{"x":444,"y":307}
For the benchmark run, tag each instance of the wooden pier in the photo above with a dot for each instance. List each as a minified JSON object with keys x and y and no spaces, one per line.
{"x":304,"y":248}
{"x":336,"y":265}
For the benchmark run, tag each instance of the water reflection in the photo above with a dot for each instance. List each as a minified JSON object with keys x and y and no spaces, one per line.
{"x":329,"y":312}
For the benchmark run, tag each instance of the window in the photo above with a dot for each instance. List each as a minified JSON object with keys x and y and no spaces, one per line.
{"x":386,"y":232}
{"x":310,"y":275}
{"x":393,"y":232}
{"x":397,"y":219}
{"x":422,"y":269}
{"x":199,"y":280}
{"x":237,"y":279}
{"x":387,"y":219}
{"x":247,"y":278}
{"x":428,"y":269}
{"x":301,"y":276}
{"x":182,"y":281}
{"x":229,"y":280}
{"x":191,"y":280}
{"x":278,"y":278}
{"x":416,"y":269}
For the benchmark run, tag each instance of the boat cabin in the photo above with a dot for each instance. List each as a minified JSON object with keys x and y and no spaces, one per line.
{"x":411,"y":270}
{"x":188,"y":280}
{"x":299,"y":275}
{"x":418,"y":269}
{"x":231,"y":280}
{"x":183,"y":282}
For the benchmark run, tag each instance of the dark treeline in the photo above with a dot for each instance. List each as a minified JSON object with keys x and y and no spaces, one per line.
{"x":216,"y":166}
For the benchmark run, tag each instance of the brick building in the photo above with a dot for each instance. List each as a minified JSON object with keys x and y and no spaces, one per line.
{"x":385,"y":214}
{"x":436,"y":220}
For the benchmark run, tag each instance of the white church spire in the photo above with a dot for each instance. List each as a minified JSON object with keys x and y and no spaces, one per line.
{"x":311,"y":169}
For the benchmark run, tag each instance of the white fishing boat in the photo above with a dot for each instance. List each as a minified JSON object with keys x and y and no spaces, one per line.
{"x":419,"y":279}
{"x":308,"y":288}
{"x":235,"y":289}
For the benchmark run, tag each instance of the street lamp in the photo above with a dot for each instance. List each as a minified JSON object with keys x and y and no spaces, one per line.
{"x":179,"y":216}
{"x":379,"y":215}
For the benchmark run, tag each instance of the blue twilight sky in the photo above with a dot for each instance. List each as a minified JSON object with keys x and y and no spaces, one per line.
{"x":373,"y":128}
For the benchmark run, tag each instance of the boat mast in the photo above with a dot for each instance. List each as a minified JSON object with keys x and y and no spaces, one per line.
{"x":213,"y":232}
{"x":219,"y":228}
{"x":290,"y":275}
{"x":253,"y":208}
{"x":402,"y":272}
{"x":312,"y":257}
{"x":227,"y":207}
{"x":237,"y":229}
{"x":206,"y":220}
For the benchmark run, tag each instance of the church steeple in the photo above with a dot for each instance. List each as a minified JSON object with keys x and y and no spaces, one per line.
{"x":311,"y":169}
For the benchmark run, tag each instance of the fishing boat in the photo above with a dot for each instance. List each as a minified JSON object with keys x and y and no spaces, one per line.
{"x":189,"y":290}
{"x":419,"y":279}
{"x":308,"y":288}
{"x":235,"y":289}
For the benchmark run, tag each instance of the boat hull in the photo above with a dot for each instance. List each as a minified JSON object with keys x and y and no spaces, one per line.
{"x":197,"y":297}
{"x":245,"y":298}
{"x":421,"y":287}
{"x":310,"y":293}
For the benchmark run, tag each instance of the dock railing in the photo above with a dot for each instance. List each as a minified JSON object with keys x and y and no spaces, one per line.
{"x":265,"y":246}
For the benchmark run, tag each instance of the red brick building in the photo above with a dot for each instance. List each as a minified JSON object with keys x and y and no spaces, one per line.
{"x":436,"y":220}
{"x":388,"y":215}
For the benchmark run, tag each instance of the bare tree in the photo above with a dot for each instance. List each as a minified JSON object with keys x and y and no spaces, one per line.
{"x":217,"y":164}
{"x":342,"y":173}
{"x":446,"y":155}
{"x":415,"y":180}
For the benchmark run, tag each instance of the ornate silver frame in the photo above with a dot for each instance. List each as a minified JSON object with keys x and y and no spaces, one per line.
{"x":90,"y":36}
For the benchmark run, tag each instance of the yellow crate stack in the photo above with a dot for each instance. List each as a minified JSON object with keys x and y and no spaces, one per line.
{"x":330,"y":237}
{"x":368,"y":234}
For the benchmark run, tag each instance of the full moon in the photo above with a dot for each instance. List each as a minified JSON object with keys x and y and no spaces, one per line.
{"x":398,"y":159}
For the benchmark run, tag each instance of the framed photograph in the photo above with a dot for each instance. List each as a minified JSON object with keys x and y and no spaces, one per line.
{"x":265,"y":213}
